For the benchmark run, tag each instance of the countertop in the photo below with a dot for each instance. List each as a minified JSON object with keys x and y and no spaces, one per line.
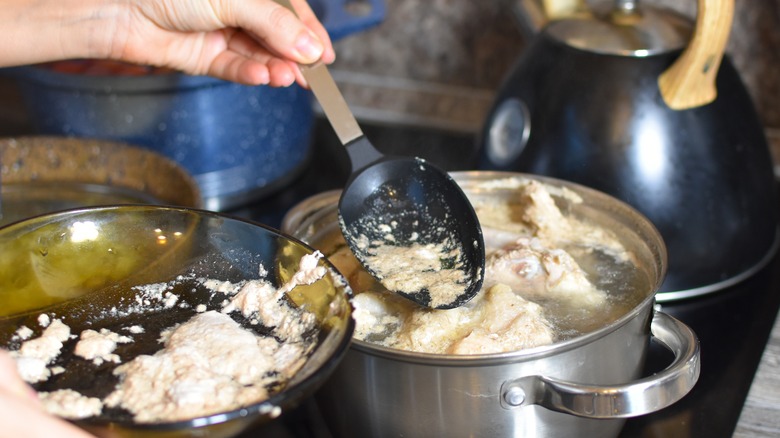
{"x":761,"y":413}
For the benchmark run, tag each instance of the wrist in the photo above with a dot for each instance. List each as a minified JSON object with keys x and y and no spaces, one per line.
{"x":51,"y":30}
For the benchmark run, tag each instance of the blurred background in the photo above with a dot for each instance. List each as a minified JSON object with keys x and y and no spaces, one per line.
{"x":437,"y":63}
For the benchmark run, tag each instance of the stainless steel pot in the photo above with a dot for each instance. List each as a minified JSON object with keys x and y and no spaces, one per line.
{"x":585,"y":386}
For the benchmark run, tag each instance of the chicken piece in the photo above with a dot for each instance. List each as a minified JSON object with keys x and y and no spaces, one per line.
{"x":510,"y":324}
{"x":540,"y":213}
{"x":378,"y":316}
{"x":497,"y":320}
{"x":434,"y":331}
{"x":538,"y":273}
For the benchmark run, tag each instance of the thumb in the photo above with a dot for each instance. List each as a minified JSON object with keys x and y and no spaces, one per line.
{"x":279,"y":29}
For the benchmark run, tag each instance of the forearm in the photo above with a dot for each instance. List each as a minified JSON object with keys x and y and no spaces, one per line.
{"x":48,"y":30}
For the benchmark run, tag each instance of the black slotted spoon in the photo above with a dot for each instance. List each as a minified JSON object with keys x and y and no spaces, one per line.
{"x":392,"y":202}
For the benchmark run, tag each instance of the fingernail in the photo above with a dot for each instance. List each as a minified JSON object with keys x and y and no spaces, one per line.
{"x":264,"y":78}
{"x":309,"y":47}
{"x":328,"y":58}
{"x":304,"y":82}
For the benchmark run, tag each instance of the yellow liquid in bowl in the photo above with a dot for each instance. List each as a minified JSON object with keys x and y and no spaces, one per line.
{"x":49,"y":260}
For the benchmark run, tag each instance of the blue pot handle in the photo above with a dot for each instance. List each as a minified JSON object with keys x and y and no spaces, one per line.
{"x":340,"y":21}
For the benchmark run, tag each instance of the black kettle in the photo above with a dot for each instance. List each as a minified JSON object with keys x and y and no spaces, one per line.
{"x":639,"y":103}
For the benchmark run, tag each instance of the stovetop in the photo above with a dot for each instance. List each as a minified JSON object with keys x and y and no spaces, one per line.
{"x":733,"y":325}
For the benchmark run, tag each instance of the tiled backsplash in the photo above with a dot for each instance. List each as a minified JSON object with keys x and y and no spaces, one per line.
{"x":431,"y":62}
{"x":439,"y":62}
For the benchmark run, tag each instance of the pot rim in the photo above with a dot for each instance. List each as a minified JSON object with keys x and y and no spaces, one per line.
{"x":113,"y":84}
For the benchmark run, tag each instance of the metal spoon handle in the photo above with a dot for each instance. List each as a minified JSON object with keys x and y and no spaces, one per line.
{"x":332,"y":102}
{"x":361,"y":152}
{"x":329,"y":97}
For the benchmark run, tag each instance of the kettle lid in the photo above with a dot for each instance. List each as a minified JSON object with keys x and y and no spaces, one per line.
{"x":624,"y":29}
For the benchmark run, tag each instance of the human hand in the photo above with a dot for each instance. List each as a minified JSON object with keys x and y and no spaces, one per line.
{"x":252,"y":42}
{"x":21,"y":414}
{"x":247,"y":41}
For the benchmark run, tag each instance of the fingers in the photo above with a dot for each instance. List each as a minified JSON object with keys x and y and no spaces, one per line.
{"x":11,"y":383}
{"x":21,"y":413}
{"x":271,"y":45}
{"x":307,"y":17}
{"x":247,"y":63}
{"x":252,"y":42}
{"x":276,"y":72}
{"x":24,"y":420}
{"x":302,"y":40}
{"x":284,"y":73}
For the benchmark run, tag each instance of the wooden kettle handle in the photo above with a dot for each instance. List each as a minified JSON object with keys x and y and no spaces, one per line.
{"x":690,"y":81}
{"x":560,"y":9}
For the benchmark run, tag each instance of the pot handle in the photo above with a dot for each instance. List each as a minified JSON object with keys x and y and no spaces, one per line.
{"x":640,"y":397}
{"x":690,"y":81}
{"x":344,"y":17}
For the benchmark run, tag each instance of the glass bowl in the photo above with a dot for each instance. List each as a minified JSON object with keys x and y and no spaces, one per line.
{"x":82,"y":266}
